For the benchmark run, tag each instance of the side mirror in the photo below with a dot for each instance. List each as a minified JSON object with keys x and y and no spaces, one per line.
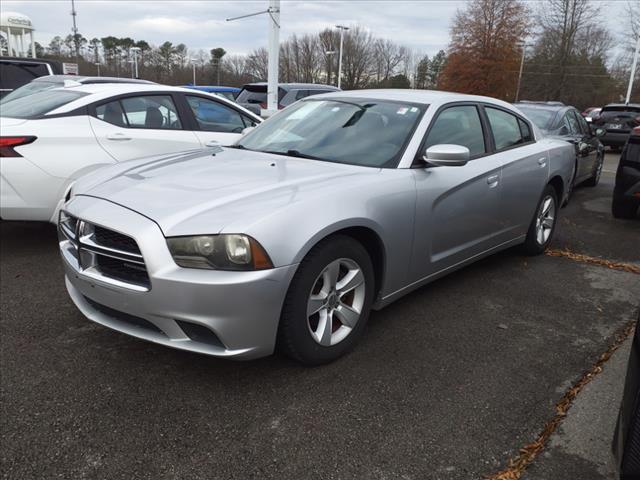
{"x":446,"y":155}
{"x":600,"y":132}
{"x":247,"y":130}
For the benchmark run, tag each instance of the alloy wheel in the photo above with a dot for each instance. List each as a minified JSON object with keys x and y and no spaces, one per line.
{"x":545,"y":219}
{"x":335,"y":302}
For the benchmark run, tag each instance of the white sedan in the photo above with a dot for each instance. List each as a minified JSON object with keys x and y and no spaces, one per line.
{"x":51,"y":138}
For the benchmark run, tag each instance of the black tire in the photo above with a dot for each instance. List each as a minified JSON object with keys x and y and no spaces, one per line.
{"x":531,"y":244}
{"x":597,"y":172}
{"x":295,"y":338}
{"x":623,"y":208}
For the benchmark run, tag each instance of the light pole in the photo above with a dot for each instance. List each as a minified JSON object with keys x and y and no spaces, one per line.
{"x":97,"y":64}
{"x":342,"y":28}
{"x":193,"y":64}
{"x":135,"y":51}
{"x":524,"y":49}
{"x":274,"y":52}
{"x":633,"y":70}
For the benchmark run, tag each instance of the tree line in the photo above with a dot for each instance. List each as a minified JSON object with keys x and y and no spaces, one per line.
{"x":568,"y":51}
{"x":368,"y":61}
{"x":568,"y":55}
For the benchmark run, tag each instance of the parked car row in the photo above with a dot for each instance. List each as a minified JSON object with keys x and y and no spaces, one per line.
{"x":617,"y":120}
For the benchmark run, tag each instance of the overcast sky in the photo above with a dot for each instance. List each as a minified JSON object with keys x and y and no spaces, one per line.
{"x":422,"y":25}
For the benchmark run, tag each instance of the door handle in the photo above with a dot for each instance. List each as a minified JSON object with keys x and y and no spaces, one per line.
{"x":542,"y":162}
{"x":493,"y":180}
{"x":118,"y":136}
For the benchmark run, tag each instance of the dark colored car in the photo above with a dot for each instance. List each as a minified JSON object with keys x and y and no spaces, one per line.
{"x":253,"y":96}
{"x":562,"y":121}
{"x":54,"y":81}
{"x":230,"y":93}
{"x":16,"y":72}
{"x":626,"y":440}
{"x":626,"y":193}
{"x":618,"y":120}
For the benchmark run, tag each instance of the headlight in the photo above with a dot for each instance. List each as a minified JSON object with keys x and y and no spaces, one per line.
{"x":219,"y":252}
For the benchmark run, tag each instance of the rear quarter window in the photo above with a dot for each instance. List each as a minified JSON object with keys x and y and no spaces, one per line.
{"x":38,"y":103}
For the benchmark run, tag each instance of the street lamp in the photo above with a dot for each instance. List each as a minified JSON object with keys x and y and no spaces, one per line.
{"x":342,"y":28}
{"x":633,"y":70}
{"x":524,"y":49}
{"x":330,"y":54}
{"x":193,"y":64}
{"x":97,"y":64}
{"x":135,"y":51}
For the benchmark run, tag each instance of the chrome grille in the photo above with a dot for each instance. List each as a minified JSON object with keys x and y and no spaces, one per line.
{"x":102,"y":253}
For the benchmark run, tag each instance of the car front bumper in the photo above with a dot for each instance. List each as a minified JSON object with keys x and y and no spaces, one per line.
{"x":240,"y":309}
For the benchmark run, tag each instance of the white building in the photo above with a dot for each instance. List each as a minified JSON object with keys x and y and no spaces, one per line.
{"x":18,"y":32}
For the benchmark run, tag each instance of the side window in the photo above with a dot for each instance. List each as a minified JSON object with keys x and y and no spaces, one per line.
{"x":573,"y":123}
{"x":458,"y":125}
{"x":214,"y":117}
{"x":584,"y":126}
{"x":156,"y":112}
{"x":527,"y":136}
{"x":505,"y":127}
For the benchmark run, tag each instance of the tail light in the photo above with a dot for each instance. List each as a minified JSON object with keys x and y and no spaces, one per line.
{"x":7,"y":145}
{"x":263,"y":105}
{"x":636,"y":131}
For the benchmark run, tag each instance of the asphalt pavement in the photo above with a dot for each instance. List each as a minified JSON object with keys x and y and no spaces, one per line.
{"x":448,"y":382}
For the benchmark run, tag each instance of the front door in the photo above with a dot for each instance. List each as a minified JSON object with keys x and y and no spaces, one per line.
{"x":458,"y":208}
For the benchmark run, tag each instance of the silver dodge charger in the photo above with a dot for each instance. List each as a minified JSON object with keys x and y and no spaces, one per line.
{"x":341,"y":203}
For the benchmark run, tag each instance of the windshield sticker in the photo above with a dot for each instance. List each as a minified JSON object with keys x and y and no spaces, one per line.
{"x":402,"y":111}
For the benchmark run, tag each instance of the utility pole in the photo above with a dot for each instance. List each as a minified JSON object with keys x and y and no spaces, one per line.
{"x":342,"y":28}
{"x":193,"y":64}
{"x":97,"y":64}
{"x":135,"y":51}
{"x":274,"y":52}
{"x":633,"y":70}
{"x":76,"y":40}
{"x":524,"y":49}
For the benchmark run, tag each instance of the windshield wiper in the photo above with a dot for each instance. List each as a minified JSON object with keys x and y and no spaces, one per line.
{"x":293,"y":153}
{"x":239,"y":147}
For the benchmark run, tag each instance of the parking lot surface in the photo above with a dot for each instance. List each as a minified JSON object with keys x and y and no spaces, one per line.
{"x":448,"y":383}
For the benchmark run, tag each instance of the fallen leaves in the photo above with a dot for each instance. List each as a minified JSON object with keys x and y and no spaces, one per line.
{"x":579,"y":257}
{"x":527,"y":454}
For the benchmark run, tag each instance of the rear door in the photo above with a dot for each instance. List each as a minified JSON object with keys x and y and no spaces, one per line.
{"x":588,"y":145}
{"x":214,"y":122}
{"x":525,"y":169}
{"x":141,"y":125}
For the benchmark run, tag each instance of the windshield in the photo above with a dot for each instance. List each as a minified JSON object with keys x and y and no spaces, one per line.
{"x":620,"y":111}
{"x":30,"y":88}
{"x":541,"y":117}
{"x":38,"y":103}
{"x":364,"y":132}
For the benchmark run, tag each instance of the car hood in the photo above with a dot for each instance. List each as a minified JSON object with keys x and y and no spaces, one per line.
{"x":202,"y":192}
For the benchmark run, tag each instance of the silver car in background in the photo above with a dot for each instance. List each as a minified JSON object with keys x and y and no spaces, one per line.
{"x":342,"y":203}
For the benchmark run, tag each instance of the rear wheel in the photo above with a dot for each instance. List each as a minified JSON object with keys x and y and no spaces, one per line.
{"x":328,"y":302}
{"x":543,"y":224}
{"x":623,"y":208}
{"x":597,"y":172}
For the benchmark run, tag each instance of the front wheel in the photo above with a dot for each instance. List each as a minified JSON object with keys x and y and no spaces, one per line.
{"x":543,"y":224}
{"x":328,"y":302}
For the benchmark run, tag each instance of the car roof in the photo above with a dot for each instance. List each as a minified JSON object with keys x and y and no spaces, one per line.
{"x":291,"y":86}
{"x":622,"y":105}
{"x":83,"y":79}
{"x":415,"y":96}
{"x":552,"y":107}
{"x":211,"y":88}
